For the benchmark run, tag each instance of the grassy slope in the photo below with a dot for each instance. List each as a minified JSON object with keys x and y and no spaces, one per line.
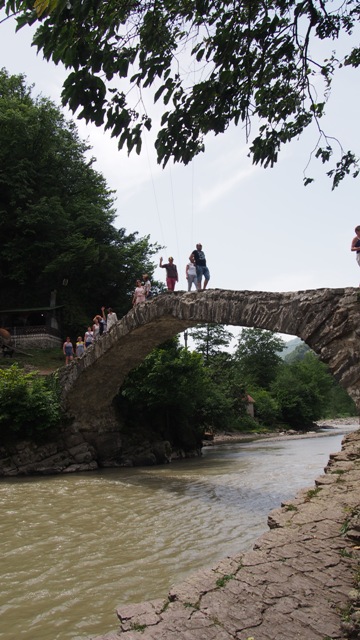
{"x":44,"y":360}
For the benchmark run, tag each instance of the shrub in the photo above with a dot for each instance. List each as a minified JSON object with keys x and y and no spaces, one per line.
{"x":247,"y":424}
{"x":266,"y":408}
{"x":28,"y":403}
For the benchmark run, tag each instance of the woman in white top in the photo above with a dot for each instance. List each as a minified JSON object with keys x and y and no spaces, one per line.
{"x":96,"y":327}
{"x":147,"y":286}
{"x":88,"y":337}
{"x":191,"y":273}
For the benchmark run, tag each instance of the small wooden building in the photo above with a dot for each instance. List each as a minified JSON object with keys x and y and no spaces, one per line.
{"x":38,"y":327}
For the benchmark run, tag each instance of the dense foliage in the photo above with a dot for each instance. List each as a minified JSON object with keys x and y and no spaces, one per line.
{"x":56,"y":216}
{"x":301,"y":391}
{"x":295,"y":392}
{"x":258,"y":356}
{"x":178,"y":395}
{"x":181,"y":394}
{"x":173,"y":393}
{"x":29,"y":404}
{"x":210,"y":339}
{"x":164,"y":393}
{"x":267,"y":64}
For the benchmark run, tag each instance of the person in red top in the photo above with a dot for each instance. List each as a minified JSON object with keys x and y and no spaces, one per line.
{"x":171,"y":273}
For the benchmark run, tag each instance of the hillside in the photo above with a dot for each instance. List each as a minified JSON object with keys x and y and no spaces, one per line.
{"x":290,"y":346}
{"x":44,"y":360}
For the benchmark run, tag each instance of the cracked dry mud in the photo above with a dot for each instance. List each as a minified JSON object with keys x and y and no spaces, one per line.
{"x":301,"y":580}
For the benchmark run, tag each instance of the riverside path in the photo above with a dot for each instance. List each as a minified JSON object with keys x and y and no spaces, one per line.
{"x":301,"y":581}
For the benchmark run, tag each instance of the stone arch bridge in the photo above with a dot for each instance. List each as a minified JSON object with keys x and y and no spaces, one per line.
{"x":328,"y":320}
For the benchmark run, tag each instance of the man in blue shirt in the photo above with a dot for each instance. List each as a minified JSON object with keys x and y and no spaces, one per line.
{"x":201,"y":268}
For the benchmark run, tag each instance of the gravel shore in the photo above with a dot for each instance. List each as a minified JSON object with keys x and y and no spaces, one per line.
{"x":320,"y":428}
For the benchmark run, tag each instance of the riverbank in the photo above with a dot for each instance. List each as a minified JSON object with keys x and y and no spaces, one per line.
{"x":322,"y":427}
{"x":301,"y":580}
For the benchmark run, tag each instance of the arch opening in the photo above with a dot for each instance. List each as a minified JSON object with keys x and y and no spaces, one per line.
{"x":327,"y":320}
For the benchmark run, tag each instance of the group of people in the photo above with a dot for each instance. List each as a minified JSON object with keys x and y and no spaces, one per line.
{"x":142,"y":290}
{"x":101,"y":324}
{"x":196,"y":270}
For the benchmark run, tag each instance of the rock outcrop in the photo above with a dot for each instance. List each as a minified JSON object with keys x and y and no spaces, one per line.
{"x":300,"y":581}
{"x":68,"y":451}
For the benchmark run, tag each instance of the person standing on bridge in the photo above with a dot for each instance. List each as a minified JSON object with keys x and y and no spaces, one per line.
{"x":139,"y":293}
{"x":171,"y":273}
{"x":79,"y":347}
{"x":89,"y":338}
{"x":68,"y":350}
{"x":201,"y":268}
{"x":147,"y":286}
{"x":191,"y":274}
{"x":111,"y":318}
{"x":355,"y":245}
{"x":96,"y":327}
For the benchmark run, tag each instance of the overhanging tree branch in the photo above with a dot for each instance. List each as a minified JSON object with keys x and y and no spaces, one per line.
{"x":247,"y":62}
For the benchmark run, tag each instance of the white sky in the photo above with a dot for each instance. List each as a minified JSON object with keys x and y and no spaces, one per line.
{"x":260,"y":229}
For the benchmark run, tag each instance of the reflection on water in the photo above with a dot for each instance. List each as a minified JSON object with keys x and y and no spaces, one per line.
{"x":73,"y":547}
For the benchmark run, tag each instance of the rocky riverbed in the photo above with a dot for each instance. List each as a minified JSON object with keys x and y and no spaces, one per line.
{"x":301,"y":580}
{"x":322,"y":427}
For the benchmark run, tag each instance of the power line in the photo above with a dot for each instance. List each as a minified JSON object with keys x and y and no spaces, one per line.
{"x":174,"y":214}
{"x":155,"y":197}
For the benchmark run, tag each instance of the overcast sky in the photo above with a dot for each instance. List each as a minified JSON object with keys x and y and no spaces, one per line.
{"x":260,"y":229}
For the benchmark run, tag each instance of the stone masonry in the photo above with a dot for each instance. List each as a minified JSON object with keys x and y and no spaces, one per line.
{"x":328,"y":320}
{"x":301,"y":581}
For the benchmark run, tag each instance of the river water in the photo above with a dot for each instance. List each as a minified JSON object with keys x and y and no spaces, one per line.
{"x":73,"y":547}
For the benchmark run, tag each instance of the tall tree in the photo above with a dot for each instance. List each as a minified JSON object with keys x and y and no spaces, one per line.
{"x":258,"y":356}
{"x":302,"y":391}
{"x":211,"y":62}
{"x":166,"y":393}
{"x":210,"y":339}
{"x":56,"y":215}
{"x":173,"y":393}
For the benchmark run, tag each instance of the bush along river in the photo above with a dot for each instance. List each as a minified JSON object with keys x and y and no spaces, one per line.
{"x":73,"y":547}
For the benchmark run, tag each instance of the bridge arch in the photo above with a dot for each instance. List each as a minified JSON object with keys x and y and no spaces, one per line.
{"x":328,"y":320}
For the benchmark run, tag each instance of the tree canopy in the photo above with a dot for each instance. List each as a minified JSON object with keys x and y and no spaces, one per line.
{"x":210,"y":338}
{"x":56,"y":216}
{"x":258,"y":356}
{"x":165,"y":393}
{"x":173,"y":394}
{"x":303,"y":391}
{"x":212,"y":63}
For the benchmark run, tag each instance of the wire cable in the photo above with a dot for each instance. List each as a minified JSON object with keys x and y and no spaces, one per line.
{"x":192,"y":200}
{"x":174,"y":214}
{"x":155,"y":197}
